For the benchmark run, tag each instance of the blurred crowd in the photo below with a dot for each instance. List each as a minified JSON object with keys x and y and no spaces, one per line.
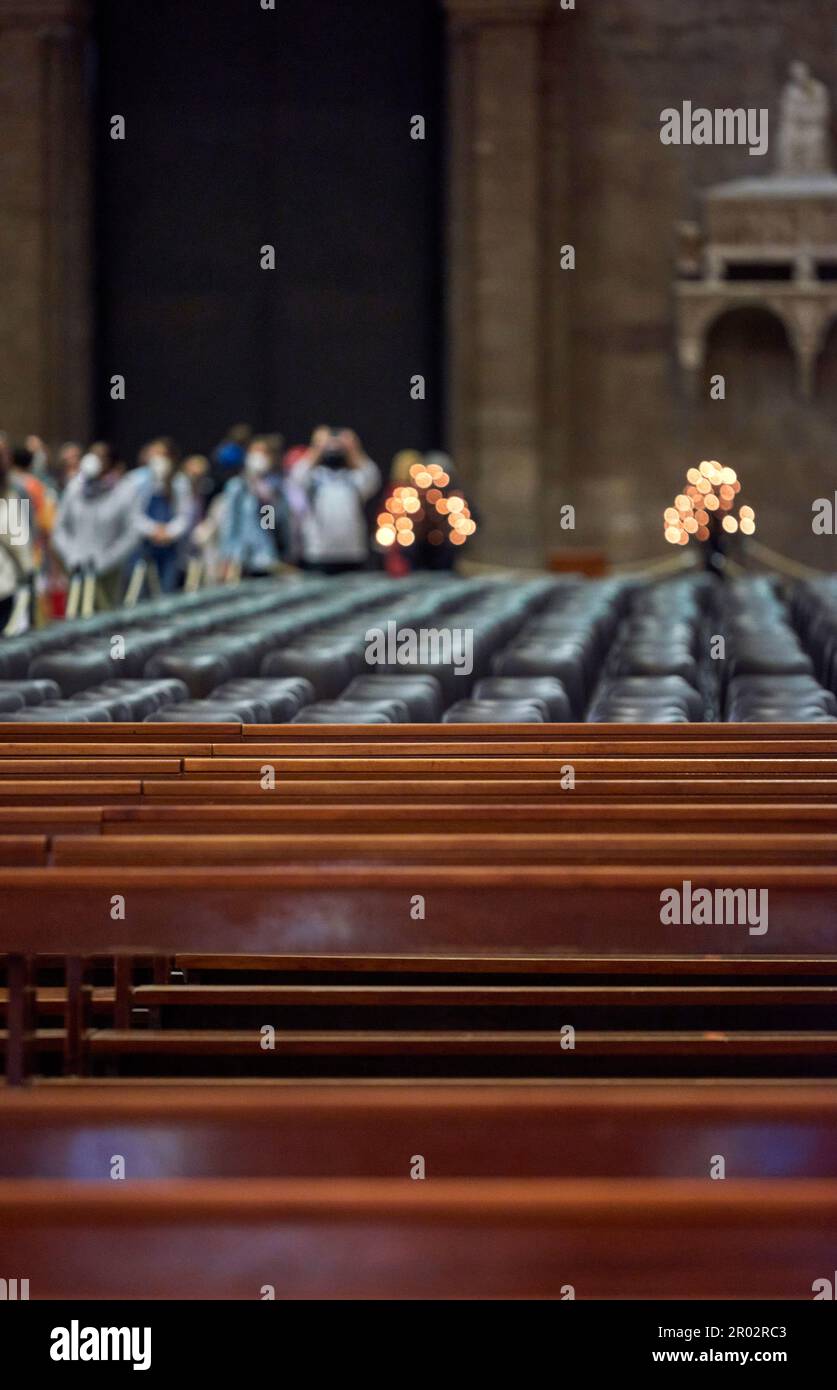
{"x":100,"y":533}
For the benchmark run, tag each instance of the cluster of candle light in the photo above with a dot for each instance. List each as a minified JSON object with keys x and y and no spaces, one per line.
{"x":423,"y":500}
{"x":710,"y":488}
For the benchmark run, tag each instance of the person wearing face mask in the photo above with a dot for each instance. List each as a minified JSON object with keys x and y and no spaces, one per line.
{"x":254,"y":534}
{"x":166,"y":512}
{"x":97,"y":527}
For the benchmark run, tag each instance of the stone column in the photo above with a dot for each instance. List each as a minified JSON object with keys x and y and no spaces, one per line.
{"x":45,"y":218}
{"x":495,"y":268}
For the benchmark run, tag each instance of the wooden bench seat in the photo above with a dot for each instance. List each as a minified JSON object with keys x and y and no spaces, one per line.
{"x":50,"y":820}
{"x":518,"y":875}
{"x":23,"y":849}
{"x":333,"y":1130}
{"x":430,"y":847}
{"x":586,"y":964}
{"x":479,"y":766}
{"x":69,"y":791}
{"x":541,"y":909}
{"x":563,"y":748}
{"x":417,"y":1043}
{"x":470,"y":911}
{"x":428,"y":789}
{"x":393,"y":1238}
{"x":466,"y":817}
{"x":622,"y":733}
{"x":66,"y":735}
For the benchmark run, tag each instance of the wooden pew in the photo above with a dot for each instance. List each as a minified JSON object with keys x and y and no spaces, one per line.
{"x":536,"y":912}
{"x":302,"y":734}
{"x":51,"y":820}
{"x":64,"y":792}
{"x":328,"y":1130}
{"x":520,"y":767}
{"x":430,"y":848}
{"x":466,"y":817}
{"x":393,"y":1238}
{"x":486,"y":790}
{"x":249,"y":896}
{"x":66,"y":735}
{"x":536,"y":918}
{"x":303,"y":1192}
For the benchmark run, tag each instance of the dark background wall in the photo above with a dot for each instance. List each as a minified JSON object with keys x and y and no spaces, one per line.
{"x":289,"y":127}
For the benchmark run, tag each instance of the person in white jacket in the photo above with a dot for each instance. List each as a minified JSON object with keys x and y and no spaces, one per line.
{"x":98,"y":527}
{"x":336,"y":477}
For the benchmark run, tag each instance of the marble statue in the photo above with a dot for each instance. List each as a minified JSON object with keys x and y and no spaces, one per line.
{"x":803,"y":125}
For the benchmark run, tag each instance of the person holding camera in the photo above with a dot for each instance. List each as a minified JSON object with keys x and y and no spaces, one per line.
{"x":337,"y":478}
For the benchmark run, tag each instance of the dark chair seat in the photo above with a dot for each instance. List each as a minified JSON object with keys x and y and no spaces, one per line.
{"x":193,"y":713}
{"x":62,"y":712}
{"x":564,"y":663}
{"x":345,"y":712}
{"x":200,"y":672}
{"x":281,"y":697}
{"x":545,"y":688}
{"x":33,"y":692}
{"x":497,"y":712}
{"x":329,"y":671}
{"x":73,"y":670}
{"x":420,"y":694}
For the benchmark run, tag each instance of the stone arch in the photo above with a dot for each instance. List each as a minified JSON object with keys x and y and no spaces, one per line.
{"x":753,"y":347}
{"x":825,"y":378}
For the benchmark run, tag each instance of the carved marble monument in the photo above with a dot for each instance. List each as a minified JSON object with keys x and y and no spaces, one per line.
{"x":803,"y":125}
{"x":769,"y":242}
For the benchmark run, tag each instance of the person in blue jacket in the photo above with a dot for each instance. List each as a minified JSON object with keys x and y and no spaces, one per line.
{"x":165,"y":502}
{"x":255,"y":532}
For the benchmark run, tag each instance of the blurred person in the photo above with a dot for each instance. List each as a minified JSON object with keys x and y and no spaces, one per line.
{"x":402,"y":463}
{"x":166,"y":511}
{"x":337,"y":478}
{"x":254,"y":532}
{"x":40,"y":464}
{"x":198,"y":472}
{"x":66,"y":464}
{"x":40,"y":495}
{"x":16,"y":557}
{"x":228,"y":456}
{"x":44,"y":506}
{"x":296,"y":497}
{"x":204,"y":543}
{"x":292,"y":456}
{"x":98,"y":524}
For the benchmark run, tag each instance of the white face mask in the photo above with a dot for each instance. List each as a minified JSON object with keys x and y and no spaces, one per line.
{"x":258,"y":464}
{"x":90,"y":466}
{"x":160,"y":467}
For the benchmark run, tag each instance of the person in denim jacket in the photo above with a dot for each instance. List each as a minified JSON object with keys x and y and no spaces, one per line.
{"x":254,"y":533}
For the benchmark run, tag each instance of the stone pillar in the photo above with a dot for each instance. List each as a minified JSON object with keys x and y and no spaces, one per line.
{"x":496,"y":269}
{"x":45,"y":219}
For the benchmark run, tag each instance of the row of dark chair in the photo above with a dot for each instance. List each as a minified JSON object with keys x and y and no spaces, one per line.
{"x":766,"y":674}
{"x":612,"y":651}
{"x":653,"y":676}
